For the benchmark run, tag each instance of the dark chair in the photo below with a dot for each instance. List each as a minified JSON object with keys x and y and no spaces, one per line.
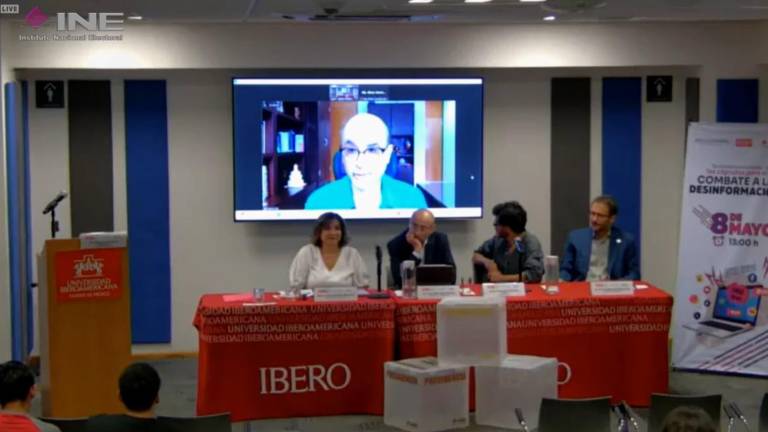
{"x":575,"y":415}
{"x":662,"y":404}
{"x":211,"y":423}
{"x":68,"y":425}
{"x":764,"y":414}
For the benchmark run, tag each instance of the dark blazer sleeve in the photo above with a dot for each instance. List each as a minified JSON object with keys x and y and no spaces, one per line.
{"x":439,"y":250}
{"x":631,"y":259}
{"x":568,"y":263}
{"x":399,"y":250}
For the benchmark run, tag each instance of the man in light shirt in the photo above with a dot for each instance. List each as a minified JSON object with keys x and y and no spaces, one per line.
{"x":602,"y":251}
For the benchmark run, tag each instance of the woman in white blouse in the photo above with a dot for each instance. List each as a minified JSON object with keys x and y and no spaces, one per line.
{"x":328,"y":261}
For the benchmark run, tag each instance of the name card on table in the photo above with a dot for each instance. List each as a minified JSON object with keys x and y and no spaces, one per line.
{"x":611,"y":288}
{"x":436,"y":291}
{"x":506,"y":289}
{"x":340,"y":293}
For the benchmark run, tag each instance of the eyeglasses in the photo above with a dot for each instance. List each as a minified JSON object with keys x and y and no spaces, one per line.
{"x":353,"y":153}
{"x":599,"y":215}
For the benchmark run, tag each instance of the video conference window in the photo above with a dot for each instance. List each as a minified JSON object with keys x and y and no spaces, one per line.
{"x":365,"y":148}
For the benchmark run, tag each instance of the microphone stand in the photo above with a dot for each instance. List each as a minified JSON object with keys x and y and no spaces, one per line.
{"x":519,"y":249}
{"x":730,"y":416}
{"x":521,"y":419}
{"x":54,"y":223}
{"x":378,"y":268}
{"x":378,"y":294}
{"x":739,"y":414}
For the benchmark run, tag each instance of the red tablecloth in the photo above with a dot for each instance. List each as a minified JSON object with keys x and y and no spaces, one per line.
{"x":613,"y":345}
{"x":292,"y":358}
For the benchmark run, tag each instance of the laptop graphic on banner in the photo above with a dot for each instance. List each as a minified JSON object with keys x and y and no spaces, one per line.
{"x":735,"y":311}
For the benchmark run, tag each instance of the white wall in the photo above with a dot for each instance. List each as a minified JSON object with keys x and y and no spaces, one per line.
{"x":417,"y":45}
{"x":210,"y":253}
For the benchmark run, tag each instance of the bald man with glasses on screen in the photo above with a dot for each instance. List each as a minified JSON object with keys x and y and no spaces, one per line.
{"x":366,"y":152}
{"x":602,"y":251}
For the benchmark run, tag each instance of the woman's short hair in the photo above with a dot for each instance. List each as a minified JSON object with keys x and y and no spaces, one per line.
{"x":688,"y":419}
{"x":323,"y":222}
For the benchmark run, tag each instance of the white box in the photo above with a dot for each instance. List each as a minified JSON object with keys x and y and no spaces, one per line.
{"x":472,"y":331}
{"x":519,"y":382}
{"x":422,"y":396}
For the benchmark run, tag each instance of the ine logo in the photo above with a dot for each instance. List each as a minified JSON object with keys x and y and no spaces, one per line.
{"x":72,"y":21}
{"x":36,"y":17}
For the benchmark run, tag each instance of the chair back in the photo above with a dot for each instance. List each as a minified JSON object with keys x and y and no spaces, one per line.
{"x":211,"y":423}
{"x":68,"y":424}
{"x":764,"y":414}
{"x":662,"y":404}
{"x":575,"y":415}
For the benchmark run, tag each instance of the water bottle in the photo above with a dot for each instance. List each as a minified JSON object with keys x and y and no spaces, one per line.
{"x":551,"y":274}
{"x":408,"y":278}
{"x":258,"y":295}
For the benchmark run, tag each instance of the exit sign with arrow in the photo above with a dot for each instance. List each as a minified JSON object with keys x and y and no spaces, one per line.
{"x":658,"y":88}
{"x":49,"y":94}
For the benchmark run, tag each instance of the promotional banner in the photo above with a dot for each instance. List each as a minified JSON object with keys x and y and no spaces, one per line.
{"x":721,"y":312}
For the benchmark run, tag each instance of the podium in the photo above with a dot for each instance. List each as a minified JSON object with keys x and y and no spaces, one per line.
{"x":85,"y":328}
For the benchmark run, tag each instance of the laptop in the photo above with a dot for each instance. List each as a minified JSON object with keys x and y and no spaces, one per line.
{"x":435,"y":274}
{"x":730,"y":317}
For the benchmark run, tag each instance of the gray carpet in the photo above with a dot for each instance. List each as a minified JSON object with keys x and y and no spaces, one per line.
{"x":179,"y":392}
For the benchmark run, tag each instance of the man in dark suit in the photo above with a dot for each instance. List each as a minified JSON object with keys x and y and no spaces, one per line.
{"x":419,"y":243}
{"x":601,"y":251}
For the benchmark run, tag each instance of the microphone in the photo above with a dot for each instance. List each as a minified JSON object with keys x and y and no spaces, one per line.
{"x":736,"y":410}
{"x":54,"y":202}
{"x":378,"y":267}
{"x":521,"y":419}
{"x":622,"y":426}
{"x":519,"y":247}
{"x":628,"y":415}
{"x":728,"y":413}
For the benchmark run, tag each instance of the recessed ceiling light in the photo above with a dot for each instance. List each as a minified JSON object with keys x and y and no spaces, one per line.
{"x":135,"y":17}
{"x":477,"y":1}
{"x":419,"y":1}
{"x":549,"y":18}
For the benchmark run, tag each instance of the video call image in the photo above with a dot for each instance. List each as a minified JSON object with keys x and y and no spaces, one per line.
{"x":358,"y":155}
{"x":358,"y":152}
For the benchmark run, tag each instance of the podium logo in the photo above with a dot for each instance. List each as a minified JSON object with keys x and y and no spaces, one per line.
{"x":89,"y":266}
{"x":304,"y":379}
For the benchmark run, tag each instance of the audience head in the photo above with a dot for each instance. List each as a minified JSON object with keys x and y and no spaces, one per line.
{"x":422,"y":224}
{"x":17,"y":384}
{"x":688,"y":419}
{"x":365,"y":150}
{"x":139,"y":387}
{"x":330,"y":229}
{"x":510,"y":218}
{"x":602,"y":213}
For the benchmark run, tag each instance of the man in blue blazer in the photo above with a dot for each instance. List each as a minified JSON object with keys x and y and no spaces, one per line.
{"x":419,"y":243}
{"x":602,"y":251}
